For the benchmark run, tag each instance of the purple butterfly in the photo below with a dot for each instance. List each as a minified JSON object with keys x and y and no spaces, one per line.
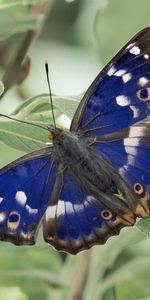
{"x":72,"y":188}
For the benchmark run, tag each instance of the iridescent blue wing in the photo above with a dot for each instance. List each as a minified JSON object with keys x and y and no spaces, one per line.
{"x":129,"y":152}
{"x":75,"y":220}
{"x":25,"y":190}
{"x":108,"y":114}
{"x":120,"y":95}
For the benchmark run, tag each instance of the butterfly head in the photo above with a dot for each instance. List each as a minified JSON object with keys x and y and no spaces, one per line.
{"x":55,"y":133}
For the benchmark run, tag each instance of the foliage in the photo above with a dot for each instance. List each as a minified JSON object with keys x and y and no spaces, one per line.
{"x":118,"y":270}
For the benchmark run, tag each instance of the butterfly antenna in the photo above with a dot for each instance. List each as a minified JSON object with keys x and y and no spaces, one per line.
{"x":21,"y":121}
{"x":50,"y":94}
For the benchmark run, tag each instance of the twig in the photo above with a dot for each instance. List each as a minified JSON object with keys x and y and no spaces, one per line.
{"x":79,"y":276}
{"x":15,"y":72}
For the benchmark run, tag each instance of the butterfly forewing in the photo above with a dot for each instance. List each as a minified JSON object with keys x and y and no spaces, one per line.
{"x":120,"y":94}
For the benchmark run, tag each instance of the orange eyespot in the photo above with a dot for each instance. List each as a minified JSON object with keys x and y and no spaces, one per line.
{"x":13,"y":220}
{"x":144,"y":94}
{"x":106,"y":214}
{"x":138,"y":188}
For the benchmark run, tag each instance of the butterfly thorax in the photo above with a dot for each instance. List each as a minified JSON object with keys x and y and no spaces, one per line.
{"x":75,"y":153}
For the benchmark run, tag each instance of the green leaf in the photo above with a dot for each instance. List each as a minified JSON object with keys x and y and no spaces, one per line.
{"x":117,"y":13}
{"x":69,"y":1}
{"x":34,"y":269}
{"x":41,"y":104}
{"x":67,"y":105}
{"x":144,"y":226}
{"x":145,"y":298}
{"x":8,"y":154}
{"x":12,"y":293}
{"x":135,"y":284}
{"x":36,"y":274}
{"x":103,"y":258}
{"x":7,"y":3}
{"x":26,"y":137}
{"x":16,"y":20}
{"x":1,"y":88}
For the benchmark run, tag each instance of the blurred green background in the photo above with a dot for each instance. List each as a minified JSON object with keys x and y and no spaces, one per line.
{"x":78,"y":38}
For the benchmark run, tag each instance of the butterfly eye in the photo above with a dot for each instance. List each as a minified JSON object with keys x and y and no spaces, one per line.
{"x":13,"y":220}
{"x":138,"y":188}
{"x":106,"y":214}
{"x":144,"y":94}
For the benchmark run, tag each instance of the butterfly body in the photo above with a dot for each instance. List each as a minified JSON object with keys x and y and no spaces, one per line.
{"x":75,"y":153}
{"x":73,"y":187}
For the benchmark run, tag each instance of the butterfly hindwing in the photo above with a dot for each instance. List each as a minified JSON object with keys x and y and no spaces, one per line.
{"x":120,"y":95}
{"x":77,"y":220}
{"x":25,"y":190}
{"x":129,"y":152}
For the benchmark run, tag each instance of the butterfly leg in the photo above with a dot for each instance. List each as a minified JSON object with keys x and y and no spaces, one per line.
{"x":92,"y":141}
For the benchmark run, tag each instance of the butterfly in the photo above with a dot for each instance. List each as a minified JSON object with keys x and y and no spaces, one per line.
{"x":72,"y":189}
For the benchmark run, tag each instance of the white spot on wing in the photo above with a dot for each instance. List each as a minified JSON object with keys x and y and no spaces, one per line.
{"x":135,"y":50}
{"x":90,"y":198}
{"x":132,"y":142}
{"x":133,"y":132}
{"x":136,"y":111}
{"x":131,"y":150}
{"x":2,"y":217}
{"x":131,"y":147}
{"x":126,"y":77}
{"x":131,"y":160}
{"x":131,"y":154}
{"x":137,"y":131}
{"x":146,"y":56}
{"x":119,"y":73}
{"x":21,"y":197}
{"x":31,"y":210}
{"x":142,"y":81}
{"x":60,"y":207}
{"x":122,"y":100}
{"x":69,"y":207}
{"x":51,"y":212}
{"x":130,"y":45}
{"x":111,"y":71}
{"x":1,"y":199}
{"x":122,"y":172}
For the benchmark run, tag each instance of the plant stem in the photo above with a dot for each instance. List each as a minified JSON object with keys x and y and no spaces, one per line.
{"x":16,"y":72}
{"x":79,"y":276}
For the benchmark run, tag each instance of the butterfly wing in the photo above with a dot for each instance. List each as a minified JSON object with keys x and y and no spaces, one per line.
{"x":117,"y":99}
{"x":25,"y":190}
{"x":120,"y":95}
{"x":76,"y":220}
{"x":129,"y":152}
